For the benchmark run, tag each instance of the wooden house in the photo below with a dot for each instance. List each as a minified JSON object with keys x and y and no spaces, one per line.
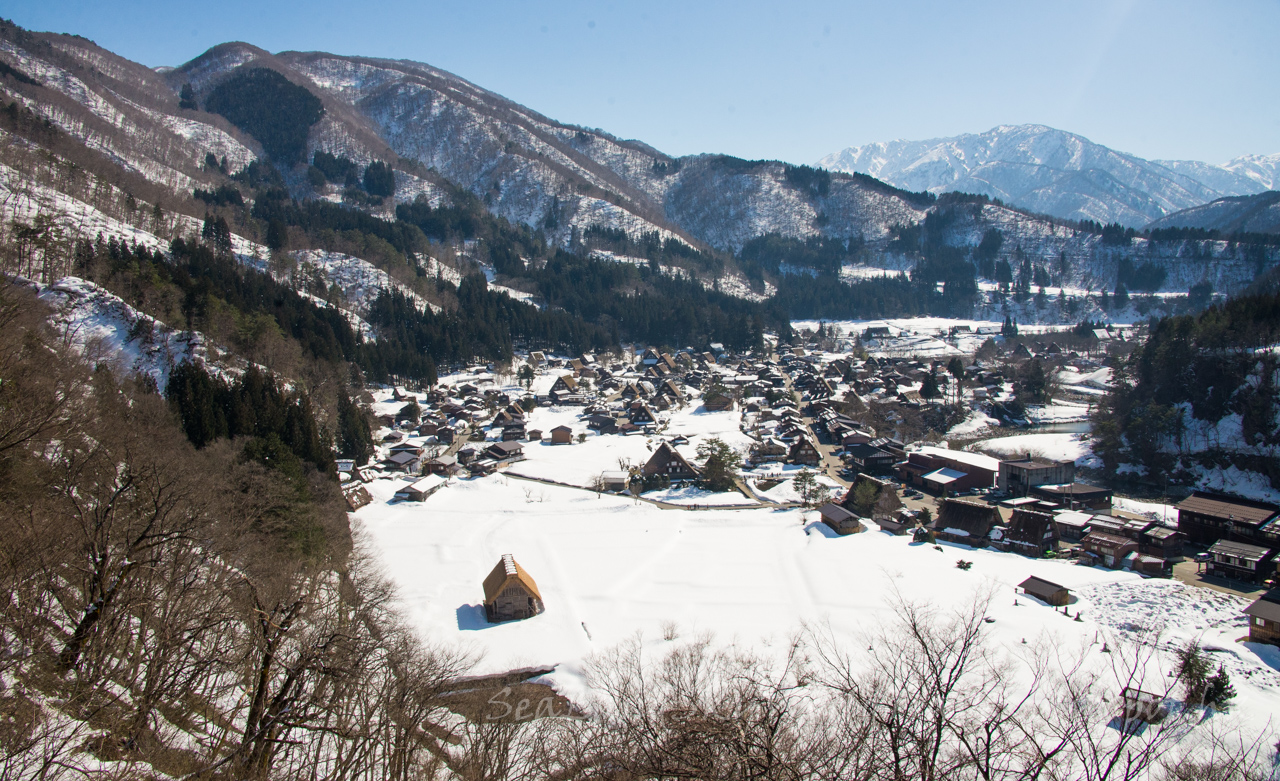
{"x":440,"y":465}
{"x":1162,"y":542}
{"x":1075,"y":496}
{"x":1206,"y":518}
{"x":419,"y":490}
{"x":640,"y":414}
{"x":1241,"y":561}
{"x":768,"y":451}
{"x":885,"y":504}
{"x":1031,"y":533}
{"x":869,"y":459}
{"x":356,"y":495}
{"x":1264,"y":618}
{"x":1045,"y":591}
{"x":841,"y":520}
{"x":1110,"y":548}
{"x":717,"y":400}
{"x":672,"y":391}
{"x":616,"y":480}
{"x":668,"y":462}
{"x":965,"y":522}
{"x":403,"y":461}
{"x":1072,"y":525}
{"x":505,"y":451}
{"x":804,"y":451}
{"x":565,"y":385}
{"x":510,"y":594}
{"x":561,"y":435}
{"x":1019,"y":477}
{"x":1140,"y":706}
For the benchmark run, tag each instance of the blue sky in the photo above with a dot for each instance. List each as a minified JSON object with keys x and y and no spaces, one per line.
{"x":792,"y":81}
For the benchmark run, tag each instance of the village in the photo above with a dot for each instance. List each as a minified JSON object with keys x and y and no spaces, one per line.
{"x":838,"y":431}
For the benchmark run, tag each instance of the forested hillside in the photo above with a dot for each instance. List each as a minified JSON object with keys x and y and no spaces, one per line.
{"x":1198,"y":402}
{"x":240,"y":127}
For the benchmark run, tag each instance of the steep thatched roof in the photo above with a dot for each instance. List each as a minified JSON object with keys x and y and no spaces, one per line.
{"x":973,"y":517}
{"x":508,"y":570}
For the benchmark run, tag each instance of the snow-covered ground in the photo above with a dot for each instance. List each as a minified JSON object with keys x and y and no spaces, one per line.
{"x":608,"y":568}
{"x":104,"y":326}
{"x":976,"y":422}
{"x":580,"y":463}
{"x":918,"y":336}
{"x":359,"y":280}
{"x":698,"y":497}
{"x":1167,"y":514}
{"x":1074,"y":447}
{"x":1059,"y":411}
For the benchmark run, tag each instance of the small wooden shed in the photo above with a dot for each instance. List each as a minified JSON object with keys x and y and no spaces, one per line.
{"x":510,"y":593}
{"x":841,"y":520}
{"x":1045,"y":591}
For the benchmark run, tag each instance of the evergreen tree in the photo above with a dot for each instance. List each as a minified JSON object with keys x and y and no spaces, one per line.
{"x":864,"y":498}
{"x":1200,"y":295}
{"x":1218,"y":691}
{"x":929,"y":389}
{"x":379,"y":179}
{"x":720,"y":464}
{"x":1032,"y":384}
{"x":187,"y":98}
{"x":807,"y":486}
{"x":410,"y":412}
{"x":277,"y":235}
{"x":355,"y":436}
{"x":1193,"y":673}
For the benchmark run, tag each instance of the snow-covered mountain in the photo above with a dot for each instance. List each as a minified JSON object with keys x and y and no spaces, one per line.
{"x":437,"y":131}
{"x":1237,"y":214}
{"x":108,"y":138}
{"x":1057,"y":173}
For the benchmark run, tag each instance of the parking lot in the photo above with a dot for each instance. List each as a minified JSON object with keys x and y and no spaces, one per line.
{"x":1189,"y":572}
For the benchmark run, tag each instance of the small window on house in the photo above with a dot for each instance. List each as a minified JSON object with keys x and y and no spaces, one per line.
{"x":1259,"y":622}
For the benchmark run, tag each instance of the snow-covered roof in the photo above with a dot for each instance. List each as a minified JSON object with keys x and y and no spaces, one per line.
{"x":943,"y":476}
{"x":963,"y":457}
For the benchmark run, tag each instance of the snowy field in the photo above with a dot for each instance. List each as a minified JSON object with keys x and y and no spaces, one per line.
{"x":1061,"y":447}
{"x":609,"y":568}
{"x":579,"y":464}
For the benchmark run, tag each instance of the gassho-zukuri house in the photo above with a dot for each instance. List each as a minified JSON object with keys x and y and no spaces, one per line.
{"x":510,"y":593}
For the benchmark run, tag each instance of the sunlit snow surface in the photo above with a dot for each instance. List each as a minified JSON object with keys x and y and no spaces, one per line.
{"x":609,"y":568}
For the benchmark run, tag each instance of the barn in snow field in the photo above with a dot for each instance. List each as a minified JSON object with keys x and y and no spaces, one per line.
{"x":509,"y":593}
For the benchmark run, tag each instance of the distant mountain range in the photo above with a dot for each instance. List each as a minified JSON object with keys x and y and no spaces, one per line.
{"x":1057,"y":173}
{"x":87,"y":131}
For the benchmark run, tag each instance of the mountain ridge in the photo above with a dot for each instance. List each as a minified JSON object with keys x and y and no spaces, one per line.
{"x":445,"y":138}
{"x":1040,"y":168}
